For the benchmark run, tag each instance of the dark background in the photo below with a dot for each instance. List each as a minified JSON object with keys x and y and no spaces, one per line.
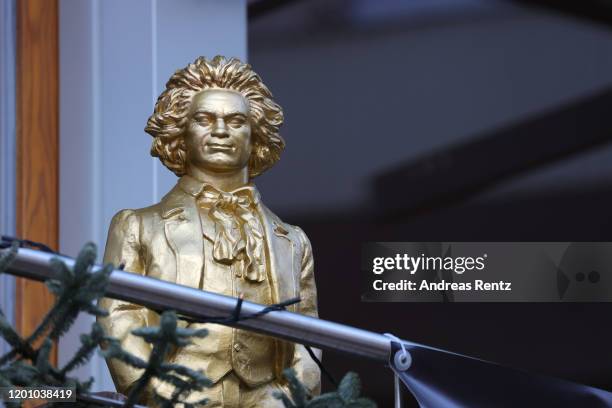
{"x":457,"y":120}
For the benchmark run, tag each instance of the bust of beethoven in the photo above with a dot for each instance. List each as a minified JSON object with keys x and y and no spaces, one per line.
{"x":216,"y":127}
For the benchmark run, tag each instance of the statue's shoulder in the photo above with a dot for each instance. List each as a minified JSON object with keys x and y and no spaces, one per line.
{"x":152,"y":212}
{"x":146,"y":216}
{"x":282,"y":227}
{"x":137,"y":215}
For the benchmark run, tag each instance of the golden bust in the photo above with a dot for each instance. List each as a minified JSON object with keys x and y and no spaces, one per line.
{"x":216,"y":127}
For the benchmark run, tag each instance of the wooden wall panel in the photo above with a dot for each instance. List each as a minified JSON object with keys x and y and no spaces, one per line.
{"x":37,"y":145}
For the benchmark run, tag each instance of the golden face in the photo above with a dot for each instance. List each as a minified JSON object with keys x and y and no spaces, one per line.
{"x":218,"y":135}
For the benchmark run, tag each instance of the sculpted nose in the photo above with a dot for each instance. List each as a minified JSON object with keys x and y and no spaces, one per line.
{"x":219,"y":129}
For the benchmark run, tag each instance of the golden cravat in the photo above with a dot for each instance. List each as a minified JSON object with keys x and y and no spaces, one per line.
{"x":239,"y":235}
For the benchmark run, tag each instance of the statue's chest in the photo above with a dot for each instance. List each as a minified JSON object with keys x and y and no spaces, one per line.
{"x":226,"y":279}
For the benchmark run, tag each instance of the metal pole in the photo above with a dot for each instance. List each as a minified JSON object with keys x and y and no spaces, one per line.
{"x":397,"y":392}
{"x":198,"y":304}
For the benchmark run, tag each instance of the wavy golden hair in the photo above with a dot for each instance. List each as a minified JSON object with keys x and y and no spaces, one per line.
{"x":170,"y":117}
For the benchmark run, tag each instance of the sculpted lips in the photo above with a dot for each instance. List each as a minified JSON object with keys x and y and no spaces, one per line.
{"x":220,"y":147}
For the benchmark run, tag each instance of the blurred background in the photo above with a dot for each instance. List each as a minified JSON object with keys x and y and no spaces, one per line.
{"x":414,"y":120}
{"x":460,"y":120}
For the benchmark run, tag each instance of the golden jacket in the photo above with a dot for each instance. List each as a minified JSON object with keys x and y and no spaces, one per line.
{"x":165,"y":241}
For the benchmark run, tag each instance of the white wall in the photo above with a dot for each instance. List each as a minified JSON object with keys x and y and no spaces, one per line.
{"x":115,"y":57}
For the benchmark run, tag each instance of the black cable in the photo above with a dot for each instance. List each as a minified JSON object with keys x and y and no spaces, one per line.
{"x":236,"y":317}
{"x":329,"y":375}
{"x":6,"y":242}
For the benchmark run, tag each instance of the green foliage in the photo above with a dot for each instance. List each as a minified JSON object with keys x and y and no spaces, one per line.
{"x":8,"y":257}
{"x":347,"y":394}
{"x":75,"y":290}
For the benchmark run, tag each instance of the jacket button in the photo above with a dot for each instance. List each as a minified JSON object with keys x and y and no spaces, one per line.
{"x":236,"y":346}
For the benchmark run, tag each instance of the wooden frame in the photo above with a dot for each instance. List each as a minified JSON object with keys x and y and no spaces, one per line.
{"x":37,"y":100}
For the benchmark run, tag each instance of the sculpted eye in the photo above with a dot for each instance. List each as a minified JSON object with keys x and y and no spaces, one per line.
{"x":202,"y":119}
{"x":236,"y":121}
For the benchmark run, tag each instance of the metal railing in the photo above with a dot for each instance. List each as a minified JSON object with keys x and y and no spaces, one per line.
{"x":198,"y":304}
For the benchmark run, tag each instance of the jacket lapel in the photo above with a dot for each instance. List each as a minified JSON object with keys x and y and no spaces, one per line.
{"x":184,"y":235}
{"x":281,"y":254}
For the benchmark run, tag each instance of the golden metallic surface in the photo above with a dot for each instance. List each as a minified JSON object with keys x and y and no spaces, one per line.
{"x":216,"y":127}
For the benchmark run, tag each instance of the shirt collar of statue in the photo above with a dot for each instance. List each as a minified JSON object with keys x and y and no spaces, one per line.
{"x":195,"y":188}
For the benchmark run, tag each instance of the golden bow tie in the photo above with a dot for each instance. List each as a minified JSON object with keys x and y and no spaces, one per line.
{"x":238,"y":232}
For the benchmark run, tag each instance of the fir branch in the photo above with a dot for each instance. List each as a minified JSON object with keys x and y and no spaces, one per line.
{"x":6,"y":257}
{"x":20,"y":373}
{"x":299,"y":393}
{"x":43,"y":366}
{"x":89,"y":343}
{"x":114,"y":351}
{"x":187,"y":372}
{"x":7,"y":332}
{"x":163,"y":339}
{"x":347,"y":395}
{"x":4,"y":382}
{"x":350,"y":387}
{"x":19,"y":345}
{"x":75,"y":291}
{"x":329,"y":400}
